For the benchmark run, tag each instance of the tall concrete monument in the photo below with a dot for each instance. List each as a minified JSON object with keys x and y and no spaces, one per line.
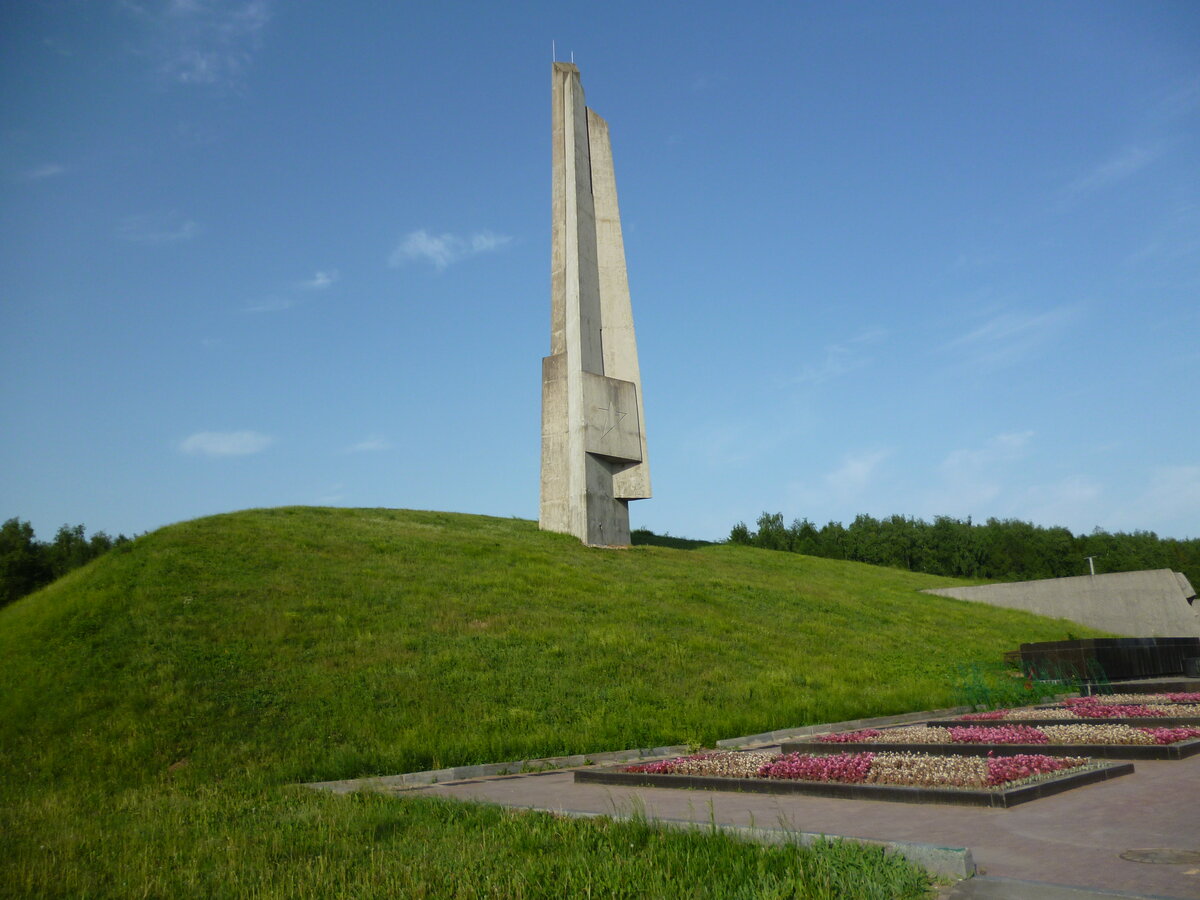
{"x":593,"y":428}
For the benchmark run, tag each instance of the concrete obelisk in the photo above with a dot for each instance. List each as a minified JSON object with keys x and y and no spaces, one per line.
{"x":593,"y":427}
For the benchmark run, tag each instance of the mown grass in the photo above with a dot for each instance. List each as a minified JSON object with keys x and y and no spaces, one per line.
{"x":155,"y":705}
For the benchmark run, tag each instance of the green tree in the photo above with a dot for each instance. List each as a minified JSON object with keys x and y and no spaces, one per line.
{"x":23,"y":564}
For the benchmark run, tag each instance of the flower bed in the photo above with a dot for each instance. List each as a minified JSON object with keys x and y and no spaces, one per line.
{"x":908,"y":769}
{"x":995,"y":780}
{"x":1176,"y":697}
{"x":1015,"y":734}
{"x":1170,"y":713}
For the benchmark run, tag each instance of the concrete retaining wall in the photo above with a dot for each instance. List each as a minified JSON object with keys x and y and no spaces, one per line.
{"x":1152,"y":603}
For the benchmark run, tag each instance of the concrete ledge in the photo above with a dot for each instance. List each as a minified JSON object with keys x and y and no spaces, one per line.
{"x":1182,"y":750}
{"x":832,"y":789}
{"x":771,"y":738}
{"x":486,"y":770}
{"x":990,"y":888}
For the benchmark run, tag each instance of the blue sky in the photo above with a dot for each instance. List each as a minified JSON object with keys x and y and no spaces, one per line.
{"x":919,"y":258}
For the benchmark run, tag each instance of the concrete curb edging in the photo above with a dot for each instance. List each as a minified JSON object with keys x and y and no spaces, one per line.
{"x":486,"y":770}
{"x":770,"y":738}
{"x":947,"y":862}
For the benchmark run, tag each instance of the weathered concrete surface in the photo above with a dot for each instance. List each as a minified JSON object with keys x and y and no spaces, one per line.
{"x":1152,"y":603}
{"x":594,"y":458}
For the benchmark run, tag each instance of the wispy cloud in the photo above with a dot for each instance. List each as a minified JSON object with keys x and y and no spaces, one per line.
{"x":1072,"y":502}
{"x":1180,"y":100}
{"x":853,"y":484}
{"x":841,"y":358}
{"x":442,"y":250}
{"x":269,"y":305}
{"x":1008,"y":337}
{"x":371,"y":445}
{"x":202,"y":42}
{"x":225,"y":443}
{"x":1172,"y":496}
{"x":1122,"y":165}
{"x":273,"y":303}
{"x":157,"y":228}
{"x":856,"y":472}
{"x":321,"y":280}
{"x":46,"y":170}
{"x":335,"y":494}
{"x":705,"y":81}
{"x":1002,"y":448}
{"x":972,"y":479}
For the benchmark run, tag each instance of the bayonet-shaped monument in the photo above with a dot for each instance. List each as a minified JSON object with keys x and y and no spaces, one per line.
{"x":593,"y":427}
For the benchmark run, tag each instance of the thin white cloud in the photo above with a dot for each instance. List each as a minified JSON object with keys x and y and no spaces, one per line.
{"x":157,"y":228}
{"x":269,"y":305}
{"x":855,"y":473}
{"x":1003,"y":448}
{"x":853,"y":484}
{"x":442,"y":250}
{"x":1072,"y":502}
{"x":46,"y":170}
{"x":320,"y":280}
{"x":201,"y":42}
{"x":225,"y":443}
{"x":336,"y":494}
{"x":1179,"y":101}
{"x":1129,"y":161}
{"x":1008,"y":337}
{"x":972,"y":479}
{"x":1173,"y":495}
{"x":841,"y":359}
{"x":371,"y":445}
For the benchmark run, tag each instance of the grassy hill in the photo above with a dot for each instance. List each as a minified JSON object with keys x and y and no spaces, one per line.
{"x":155,"y":704}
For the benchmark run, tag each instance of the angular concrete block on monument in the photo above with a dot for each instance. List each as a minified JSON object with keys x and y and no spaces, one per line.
{"x":594,"y":458}
{"x":612,"y":418}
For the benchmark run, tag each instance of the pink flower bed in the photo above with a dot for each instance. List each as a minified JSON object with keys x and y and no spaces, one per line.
{"x":850,"y":737}
{"x":1179,"y":697}
{"x":1005,"y":769}
{"x":1114,"y":710}
{"x":989,"y":716}
{"x":1000,"y":734}
{"x":848,"y":768}
{"x":1171,"y":735}
{"x":1106,"y":733}
{"x":1089,"y":708}
{"x":901,"y":769}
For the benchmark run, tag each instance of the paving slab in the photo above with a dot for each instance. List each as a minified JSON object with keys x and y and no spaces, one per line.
{"x":1073,"y":840}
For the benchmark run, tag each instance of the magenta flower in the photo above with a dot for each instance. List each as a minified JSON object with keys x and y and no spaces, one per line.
{"x":850,"y":737}
{"x":1171,"y":735}
{"x":1000,"y":734}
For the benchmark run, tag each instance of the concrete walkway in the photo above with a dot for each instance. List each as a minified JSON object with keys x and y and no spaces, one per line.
{"x":1070,"y":843}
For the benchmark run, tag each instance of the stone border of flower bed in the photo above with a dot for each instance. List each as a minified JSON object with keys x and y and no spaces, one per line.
{"x":999,"y":798}
{"x":1181,"y":750}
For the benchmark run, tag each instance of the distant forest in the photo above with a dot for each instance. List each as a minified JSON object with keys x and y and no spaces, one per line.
{"x":27,"y":564}
{"x":997,"y":550}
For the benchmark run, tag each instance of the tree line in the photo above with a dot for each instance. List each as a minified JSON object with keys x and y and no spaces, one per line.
{"x":27,"y":564}
{"x":998,"y":549}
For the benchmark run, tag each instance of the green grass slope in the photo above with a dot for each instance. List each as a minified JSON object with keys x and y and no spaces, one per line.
{"x":154,"y":703}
